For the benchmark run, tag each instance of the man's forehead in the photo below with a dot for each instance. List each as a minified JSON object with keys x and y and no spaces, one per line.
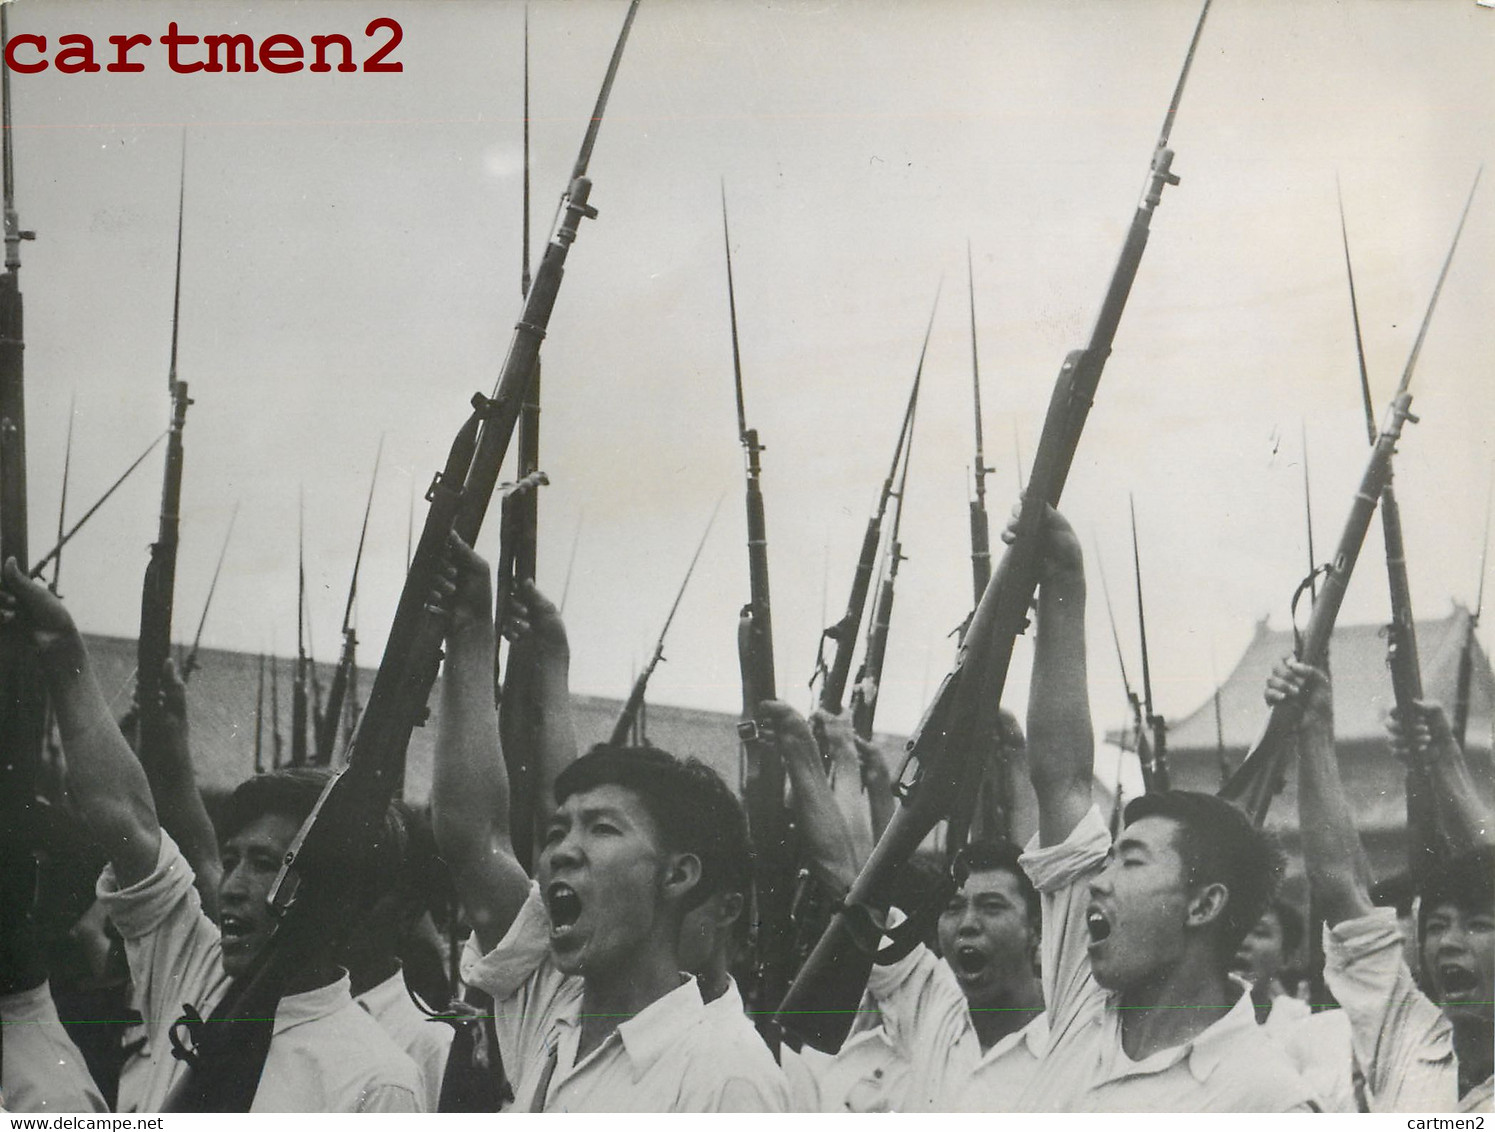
{"x":993,"y":880}
{"x":1155,"y":832}
{"x":608,"y":796}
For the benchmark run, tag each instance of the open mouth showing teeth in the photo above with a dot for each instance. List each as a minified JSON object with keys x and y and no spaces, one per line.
{"x":563,"y":904}
{"x":233,"y":928}
{"x":1457,"y":980}
{"x":1097,"y":925}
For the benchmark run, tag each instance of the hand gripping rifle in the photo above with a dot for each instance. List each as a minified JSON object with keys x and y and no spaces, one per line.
{"x":635,"y":704}
{"x":158,"y":592}
{"x":1260,"y":775}
{"x":943,"y":767}
{"x":763,"y":774}
{"x":1424,"y":848}
{"x":313,"y":899}
{"x":347,"y":662}
{"x":844,"y":632}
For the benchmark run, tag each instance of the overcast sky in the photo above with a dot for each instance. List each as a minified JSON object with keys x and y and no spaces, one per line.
{"x":351,"y":269}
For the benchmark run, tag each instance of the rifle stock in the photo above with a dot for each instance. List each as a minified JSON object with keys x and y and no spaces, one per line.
{"x":941,"y":778}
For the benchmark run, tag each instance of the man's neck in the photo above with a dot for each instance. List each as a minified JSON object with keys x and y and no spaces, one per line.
{"x":1474,"y":1049}
{"x":1176,"y":1009}
{"x":610,"y":998}
{"x":313,"y":977}
{"x":1006,"y":1012}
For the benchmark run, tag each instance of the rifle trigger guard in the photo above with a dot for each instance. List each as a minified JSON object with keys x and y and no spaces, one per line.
{"x":193,"y":1023}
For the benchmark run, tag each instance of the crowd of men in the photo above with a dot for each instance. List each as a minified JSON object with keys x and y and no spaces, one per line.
{"x":1141,"y":965}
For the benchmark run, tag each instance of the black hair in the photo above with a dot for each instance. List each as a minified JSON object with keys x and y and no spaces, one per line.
{"x":991,"y":854}
{"x":1219,"y":845}
{"x":693,"y":809}
{"x":1466,"y":881}
{"x":293,"y":792}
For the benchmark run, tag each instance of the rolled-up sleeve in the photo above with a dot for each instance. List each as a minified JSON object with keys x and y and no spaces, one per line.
{"x":1060,"y":874}
{"x":1402,"y":1041}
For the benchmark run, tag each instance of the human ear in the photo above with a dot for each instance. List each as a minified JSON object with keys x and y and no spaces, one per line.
{"x":1206,"y":905}
{"x":682,"y":873}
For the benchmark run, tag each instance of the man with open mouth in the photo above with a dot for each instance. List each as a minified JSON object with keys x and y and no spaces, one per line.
{"x":325,"y":1055}
{"x":592,"y":1009}
{"x":1139,"y":936}
{"x":1426,"y":1049}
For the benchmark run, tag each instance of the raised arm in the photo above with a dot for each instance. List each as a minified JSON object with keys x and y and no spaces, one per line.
{"x":104,"y":777}
{"x":1061,"y":740}
{"x":539,"y":640}
{"x":174,"y":789}
{"x":827,"y":840}
{"x":470,"y":786}
{"x":1428,"y":738}
{"x":1338,"y":874}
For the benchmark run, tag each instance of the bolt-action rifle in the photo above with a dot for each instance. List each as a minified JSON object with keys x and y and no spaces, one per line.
{"x":299,"y":679}
{"x":347,"y":663}
{"x":844,"y":632}
{"x":1260,"y":775}
{"x":869,"y":677}
{"x":158,"y":593}
{"x":980,"y":524}
{"x":763,"y":776}
{"x":634,"y":707}
{"x":942,"y":771}
{"x":23,"y":710}
{"x":314,"y":899}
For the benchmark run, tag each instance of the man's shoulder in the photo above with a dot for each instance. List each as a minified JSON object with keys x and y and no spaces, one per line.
{"x":375,"y":1056}
{"x":1255,"y":1069}
{"x":723,"y":1048}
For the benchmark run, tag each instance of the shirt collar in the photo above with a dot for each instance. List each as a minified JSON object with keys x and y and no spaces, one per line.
{"x":648,"y":1034}
{"x":381,"y":996}
{"x":1208,"y":1049}
{"x":1204,"y":1052}
{"x":309,"y":1006}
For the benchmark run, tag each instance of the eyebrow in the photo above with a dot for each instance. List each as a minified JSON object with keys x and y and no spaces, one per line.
{"x":1133,"y":844}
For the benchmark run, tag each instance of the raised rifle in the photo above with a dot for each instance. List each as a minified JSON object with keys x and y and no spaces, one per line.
{"x":259,"y":720}
{"x":23,"y":704}
{"x":633,"y":710}
{"x":189,"y":663}
{"x":980,"y":525}
{"x":763,"y":776}
{"x":1465,"y":679}
{"x":943,"y":768}
{"x":864,"y":695}
{"x":1155,"y":763}
{"x":314,"y":898}
{"x":1134,"y":701}
{"x":158,"y":593}
{"x":515,"y":687}
{"x":277,"y":750}
{"x":347,"y":662}
{"x":1259,"y":777}
{"x":1424,"y":847}
{"x":844,"y":632}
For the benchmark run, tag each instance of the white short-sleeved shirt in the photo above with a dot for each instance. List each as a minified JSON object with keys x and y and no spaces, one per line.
{"x":426,"y":1041}
{"x":928,"y":1021}
{"x":326,"y":1055}
{"x":42,"y":1069}
{"x":1318,"y":1045}
{"x":676,"y":1055}
{"x":1402,"y":1040}
{"x":867,"y":1075}
{"x":1230,"y":1067}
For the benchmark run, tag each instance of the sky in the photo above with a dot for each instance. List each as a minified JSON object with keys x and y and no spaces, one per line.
{"x":351,"y":261}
